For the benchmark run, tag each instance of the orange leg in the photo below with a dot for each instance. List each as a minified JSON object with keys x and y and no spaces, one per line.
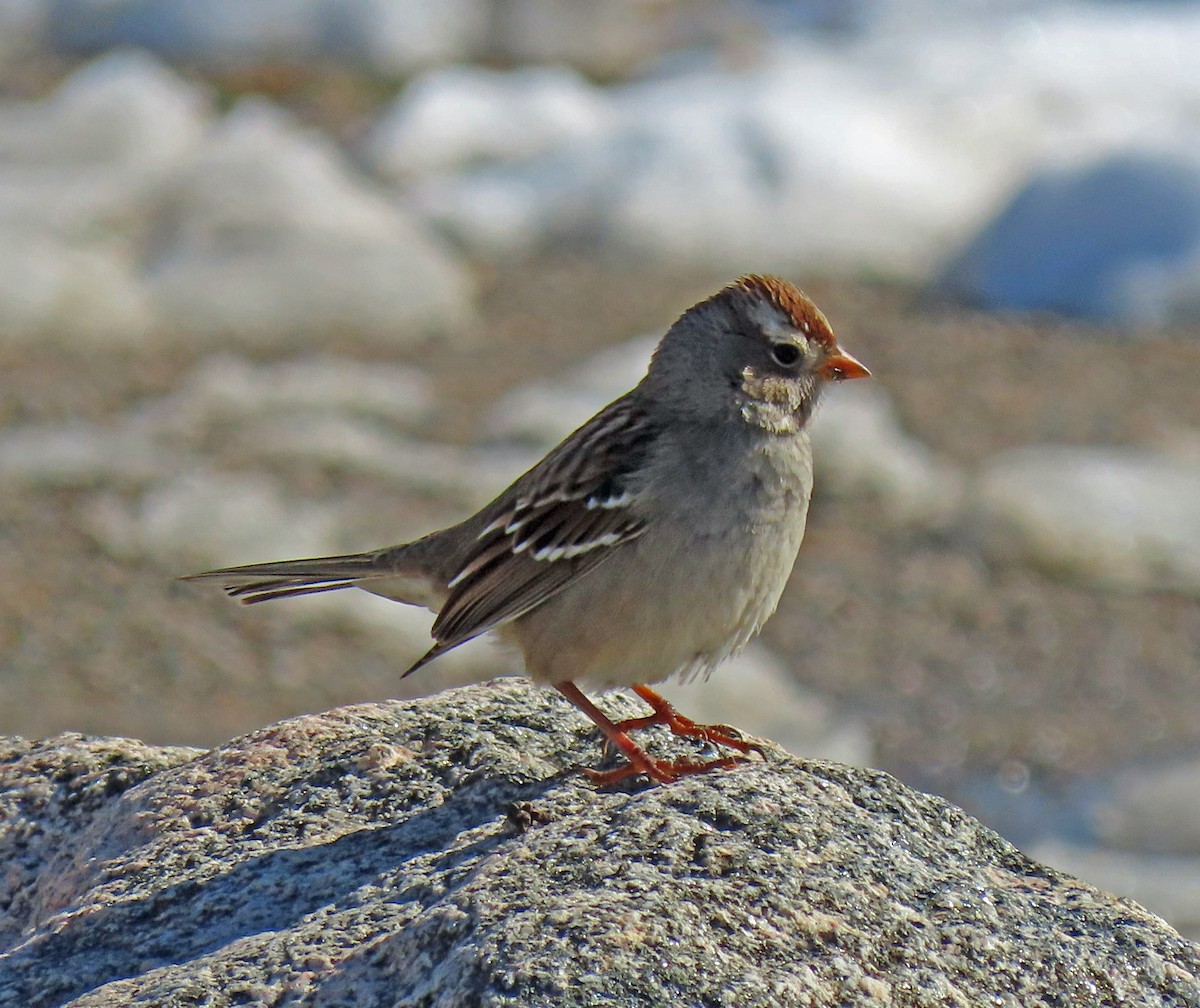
{"x":666,"y":714}
{"x":639,"y":761}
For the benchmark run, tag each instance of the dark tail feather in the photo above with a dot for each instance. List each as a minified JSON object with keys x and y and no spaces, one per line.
{"x":393,"y":573}
{"x":248,"y":595}
{"x":425,"y":659}
{"x":286,"y":578}
{"x":316,"y":568}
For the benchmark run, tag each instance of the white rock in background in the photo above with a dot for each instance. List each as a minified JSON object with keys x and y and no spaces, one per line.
{"x":755,"y":693}
{"x":81,"y":455}
{"x":204,"y":518}
{"x":506,"y":212}
{"x":859,"y":448}
{"x":462,"y":116}
{"x":270,"y":239}
{"x":1155,"y":810}
{"x":92,"y":155}
{"x":401,"y":36}
{"x":721,"y":170}
{"x":542,"y":413}
{"x":80,"y":174}
{"x":1120,"y":518}
{"x":1055,"y":86}
{"x":69,"y":292}
{"x":880,"y":153}
{"x":225,"y":389}
{"x":1168,"y":886}
{"x":462,"y":477}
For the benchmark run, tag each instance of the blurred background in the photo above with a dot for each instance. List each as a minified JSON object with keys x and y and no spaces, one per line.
{"x":291,"y":277}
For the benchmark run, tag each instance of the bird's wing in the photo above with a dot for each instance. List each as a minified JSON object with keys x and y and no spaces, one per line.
{"x":562,"y":518}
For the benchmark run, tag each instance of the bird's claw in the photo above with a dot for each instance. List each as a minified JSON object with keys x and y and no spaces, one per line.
{"x":663,"y":771}
{"x":714,"y":734}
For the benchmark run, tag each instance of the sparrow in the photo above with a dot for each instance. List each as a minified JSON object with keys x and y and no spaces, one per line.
{"x":653,"y":542}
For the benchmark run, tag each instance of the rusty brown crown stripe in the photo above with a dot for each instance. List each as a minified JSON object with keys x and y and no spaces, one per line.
{"x":805,"y":315}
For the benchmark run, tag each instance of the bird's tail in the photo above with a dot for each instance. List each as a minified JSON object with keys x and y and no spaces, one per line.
{"x":377,"y":571}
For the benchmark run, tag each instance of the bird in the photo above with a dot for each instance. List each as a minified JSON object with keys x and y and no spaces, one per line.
{"x":652,"y":543}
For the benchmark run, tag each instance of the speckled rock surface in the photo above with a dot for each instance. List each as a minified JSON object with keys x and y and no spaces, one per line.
{"x":381,"y":855}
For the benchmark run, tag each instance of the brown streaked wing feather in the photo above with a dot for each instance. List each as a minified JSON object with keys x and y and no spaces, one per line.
{"x":513,"y":583}
{"x":545,"y":535}
{"x":501,"y":593}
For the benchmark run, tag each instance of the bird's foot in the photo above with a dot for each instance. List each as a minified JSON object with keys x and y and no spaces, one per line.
{"x":663,"y":771}
{"x":640,"y":762}
{"x":666,"y":714}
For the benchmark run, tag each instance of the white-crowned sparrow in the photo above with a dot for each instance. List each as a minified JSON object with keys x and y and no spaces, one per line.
{"x":653,"y":542}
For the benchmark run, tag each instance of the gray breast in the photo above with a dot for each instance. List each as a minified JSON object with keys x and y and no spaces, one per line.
{"x":730,"y":481}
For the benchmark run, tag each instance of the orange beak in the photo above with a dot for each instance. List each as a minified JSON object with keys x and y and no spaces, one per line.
{"x":840,"y":366}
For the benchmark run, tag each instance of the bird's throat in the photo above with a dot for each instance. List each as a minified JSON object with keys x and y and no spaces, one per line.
{"x":777,"y":405}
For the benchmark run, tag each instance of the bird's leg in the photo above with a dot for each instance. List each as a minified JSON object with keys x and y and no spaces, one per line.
{"x":639,"y":761}
{"x":666,"y":714}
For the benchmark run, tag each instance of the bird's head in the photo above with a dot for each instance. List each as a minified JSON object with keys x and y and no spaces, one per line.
{"x":758,"y":350}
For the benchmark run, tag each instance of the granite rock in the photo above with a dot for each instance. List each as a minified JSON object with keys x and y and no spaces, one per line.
{"x":1168,"y":882}
{"x":443,"y":852}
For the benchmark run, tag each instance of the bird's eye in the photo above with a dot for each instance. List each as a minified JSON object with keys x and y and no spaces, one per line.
{"x":785,"y":354}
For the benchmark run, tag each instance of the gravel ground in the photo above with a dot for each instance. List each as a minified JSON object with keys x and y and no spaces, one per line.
{"x":961,"y":668}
